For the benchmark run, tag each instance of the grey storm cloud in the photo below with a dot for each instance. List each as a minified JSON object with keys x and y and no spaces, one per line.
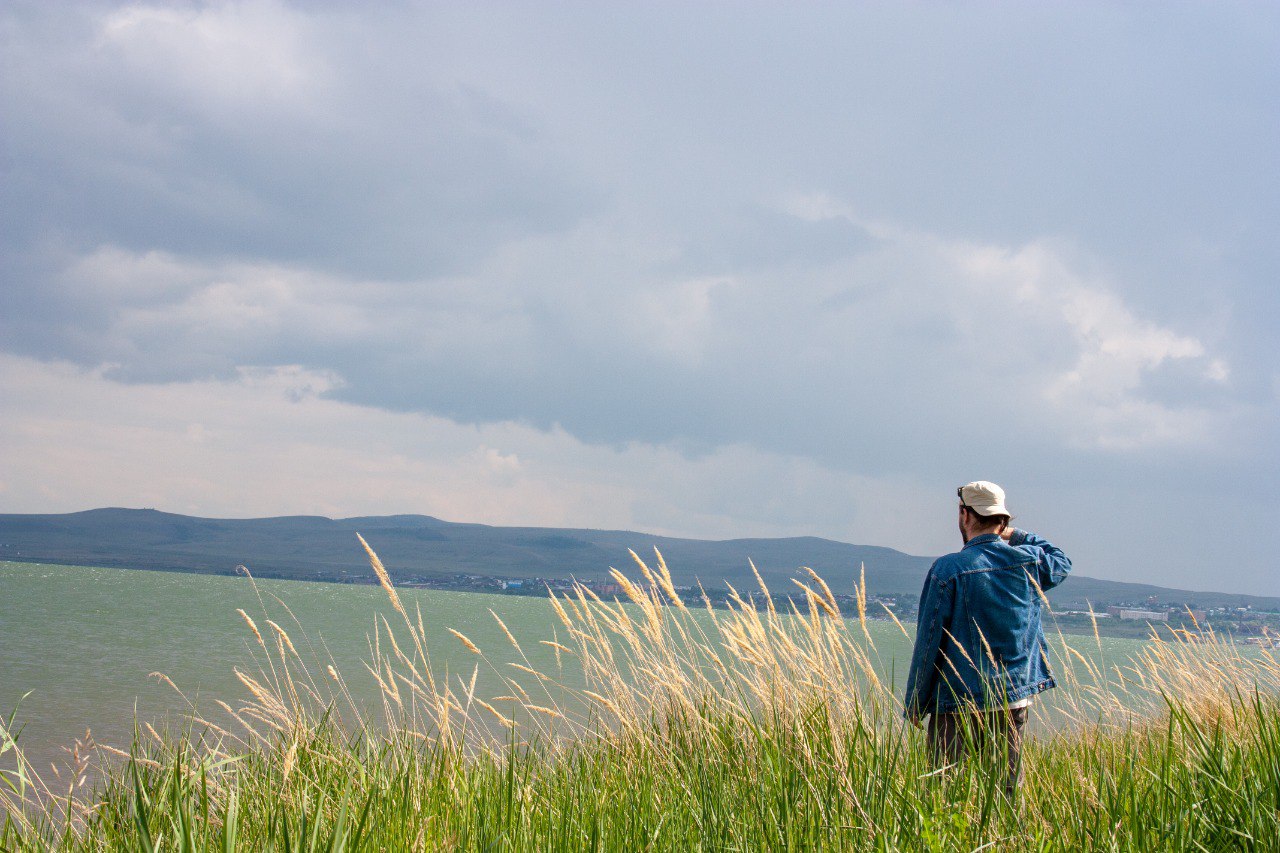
{"x":887,"y":239}
{"x":235,"y":132}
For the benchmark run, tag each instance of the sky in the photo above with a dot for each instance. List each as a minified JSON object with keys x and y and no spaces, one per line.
{"x":703,"y":269}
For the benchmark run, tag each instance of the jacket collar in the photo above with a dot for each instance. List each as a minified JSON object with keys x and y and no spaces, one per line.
{"x":982,"y":539}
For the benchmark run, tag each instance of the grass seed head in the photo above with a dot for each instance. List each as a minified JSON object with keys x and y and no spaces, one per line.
{"x":465,"y":641}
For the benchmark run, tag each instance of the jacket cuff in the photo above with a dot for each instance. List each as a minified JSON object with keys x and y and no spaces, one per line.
{"x":1018,"y":537}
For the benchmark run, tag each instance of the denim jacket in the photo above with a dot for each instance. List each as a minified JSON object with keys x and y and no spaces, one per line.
{"x":979,"y":638}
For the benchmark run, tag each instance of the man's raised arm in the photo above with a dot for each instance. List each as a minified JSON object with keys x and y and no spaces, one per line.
{"x":1053,"y":565}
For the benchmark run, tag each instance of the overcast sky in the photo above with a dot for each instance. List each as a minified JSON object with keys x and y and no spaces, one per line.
{"x":704,"y":269}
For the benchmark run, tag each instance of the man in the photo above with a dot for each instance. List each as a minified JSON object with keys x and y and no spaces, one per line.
{"x":980,"y":652}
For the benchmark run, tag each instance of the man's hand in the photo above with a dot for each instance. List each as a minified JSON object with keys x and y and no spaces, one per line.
{"x":916,"y":720}
{"x":1006,"y":532}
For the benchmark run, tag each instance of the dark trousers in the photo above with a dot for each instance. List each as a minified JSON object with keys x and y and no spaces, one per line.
{"x":957,"y":735}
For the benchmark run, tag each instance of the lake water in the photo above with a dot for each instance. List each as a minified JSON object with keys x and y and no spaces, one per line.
{"x":84,"y":641}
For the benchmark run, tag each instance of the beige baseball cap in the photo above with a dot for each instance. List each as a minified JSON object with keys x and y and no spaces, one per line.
{"x":983,"y":497}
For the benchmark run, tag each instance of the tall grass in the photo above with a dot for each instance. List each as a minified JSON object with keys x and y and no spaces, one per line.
{"x":669,"y":724}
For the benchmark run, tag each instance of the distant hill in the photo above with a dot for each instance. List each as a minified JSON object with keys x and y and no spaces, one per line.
{"x":422,"y":547}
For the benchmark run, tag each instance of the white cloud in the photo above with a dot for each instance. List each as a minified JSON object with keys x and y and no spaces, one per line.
{"x":678,"y":318}
{"x":238,"y":56}
{"x":1099,"y":393}
{"x":111,"y":273}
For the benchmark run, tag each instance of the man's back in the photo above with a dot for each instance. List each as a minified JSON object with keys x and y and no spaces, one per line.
{"x":980,"y":640}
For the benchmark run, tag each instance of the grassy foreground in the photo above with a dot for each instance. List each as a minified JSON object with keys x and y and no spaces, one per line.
{"x":739,"y":730}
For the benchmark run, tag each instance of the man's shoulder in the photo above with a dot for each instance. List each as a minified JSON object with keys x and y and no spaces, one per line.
{"x":949,"y":565}
{"x":986,"y":555}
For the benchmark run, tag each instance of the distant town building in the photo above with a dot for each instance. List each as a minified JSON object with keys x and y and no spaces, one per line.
{"x":1138,"y":614}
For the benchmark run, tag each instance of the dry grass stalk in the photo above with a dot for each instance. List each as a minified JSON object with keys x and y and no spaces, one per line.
{"x":252,"y":627}
{"x":284,"y":637}
{"x":664,"y":579}
{"x":506,"y":630}
{"x":464,"y":640}
{"x":383,"y":578}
